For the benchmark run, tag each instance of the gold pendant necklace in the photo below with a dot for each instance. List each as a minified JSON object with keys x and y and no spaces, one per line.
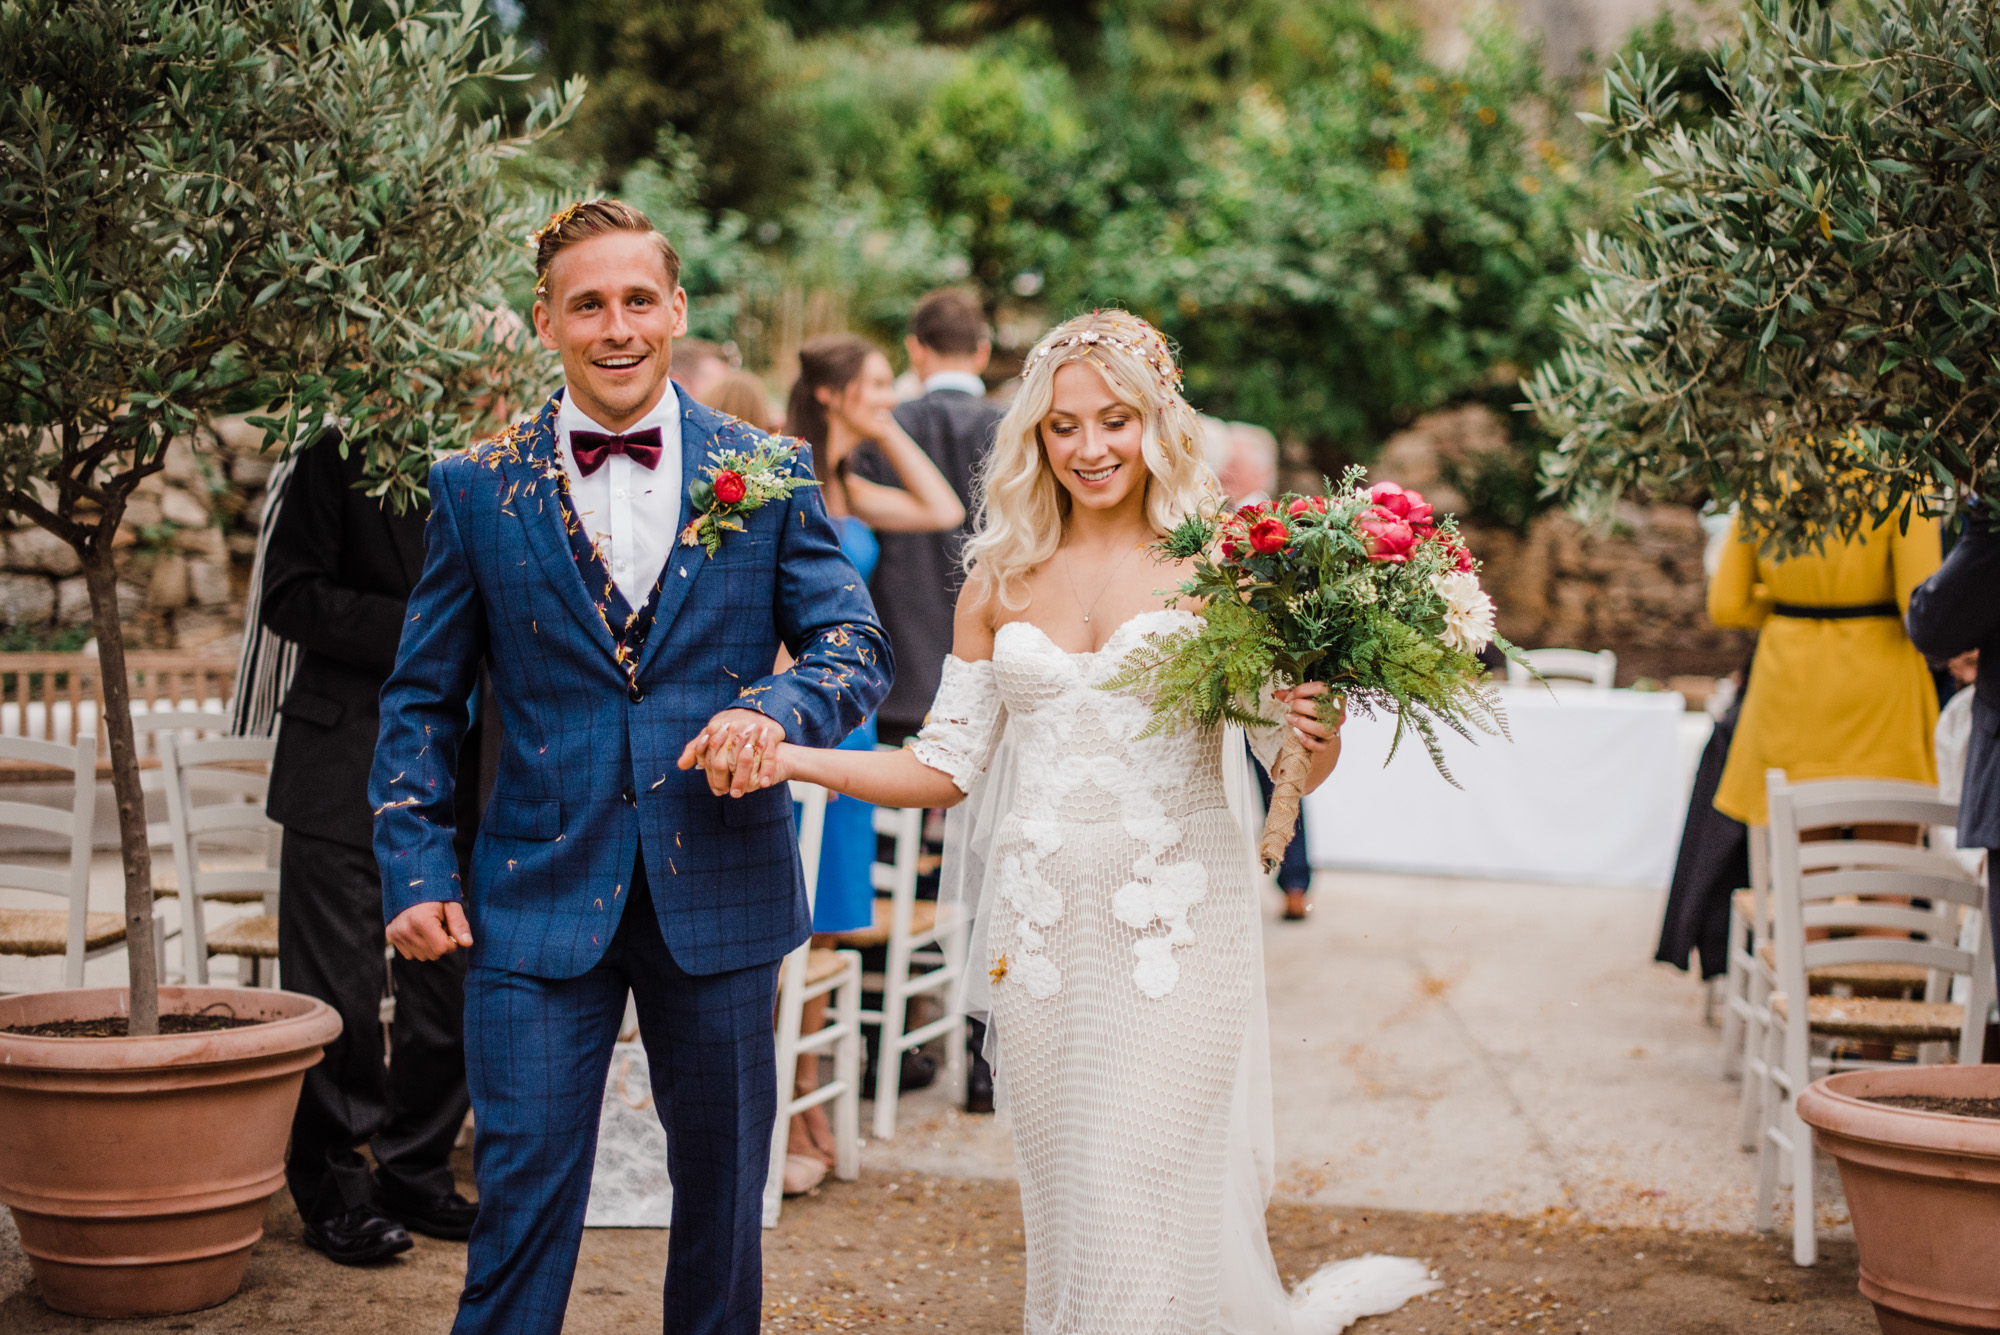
{"x":1069,"y":568}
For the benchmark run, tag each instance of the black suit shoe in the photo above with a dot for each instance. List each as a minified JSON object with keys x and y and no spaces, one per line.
{"x":978,"y":1084}
{"x":359,"y":1237}
{"x":448,"y":1217}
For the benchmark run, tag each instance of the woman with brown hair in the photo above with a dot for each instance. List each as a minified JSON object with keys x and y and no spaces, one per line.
{"x":845,"y":395}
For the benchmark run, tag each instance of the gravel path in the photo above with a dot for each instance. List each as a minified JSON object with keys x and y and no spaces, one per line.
{"x":913,"y":1252}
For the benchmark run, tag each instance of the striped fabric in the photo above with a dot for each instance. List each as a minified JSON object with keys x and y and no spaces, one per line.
{"x":264,"y":669}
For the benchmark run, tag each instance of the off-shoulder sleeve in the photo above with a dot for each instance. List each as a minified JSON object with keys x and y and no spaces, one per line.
{"x":964,"y":723}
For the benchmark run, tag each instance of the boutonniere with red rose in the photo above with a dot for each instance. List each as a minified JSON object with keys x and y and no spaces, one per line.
{"x":737,"y":482}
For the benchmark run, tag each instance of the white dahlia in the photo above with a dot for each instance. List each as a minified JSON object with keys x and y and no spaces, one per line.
{"x":1468,"y":612}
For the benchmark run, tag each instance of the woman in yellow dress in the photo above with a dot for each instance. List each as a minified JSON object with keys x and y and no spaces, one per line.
{"x":1837,"y":690}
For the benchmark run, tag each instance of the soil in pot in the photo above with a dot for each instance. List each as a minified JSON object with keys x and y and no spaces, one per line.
{"x":1986,"y":1108}
{"x":114,"y":1026}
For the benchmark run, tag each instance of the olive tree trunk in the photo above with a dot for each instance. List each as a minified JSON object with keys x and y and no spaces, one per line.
{"x":115,"y":722}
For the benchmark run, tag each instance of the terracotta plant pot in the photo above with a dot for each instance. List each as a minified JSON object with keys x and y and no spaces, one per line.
{"x":138,"y":1168}
{"x":1924,"y":1191}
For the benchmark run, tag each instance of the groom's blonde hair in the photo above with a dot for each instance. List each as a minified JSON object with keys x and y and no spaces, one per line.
{"x":590,"y":218}
{"x":1021,"y":509}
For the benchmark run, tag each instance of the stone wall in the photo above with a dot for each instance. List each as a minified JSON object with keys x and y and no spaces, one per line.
{"x":1636,"y":588}
{"x":184,"y":552}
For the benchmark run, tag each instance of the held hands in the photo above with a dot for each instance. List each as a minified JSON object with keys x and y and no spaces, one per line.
{"x":739,"y":750}
{"x":1303,"y":715}
{"x":430,"y":931}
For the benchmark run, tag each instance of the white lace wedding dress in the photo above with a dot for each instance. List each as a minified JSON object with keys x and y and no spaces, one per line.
{"x":1116,"y":950}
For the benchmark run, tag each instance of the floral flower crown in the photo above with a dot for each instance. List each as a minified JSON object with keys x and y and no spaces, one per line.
{"x":1144,"y":343}
{"x":556,"y":220}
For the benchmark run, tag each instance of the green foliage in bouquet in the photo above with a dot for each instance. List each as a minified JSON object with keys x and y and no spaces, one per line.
{"x":1361,"y":588}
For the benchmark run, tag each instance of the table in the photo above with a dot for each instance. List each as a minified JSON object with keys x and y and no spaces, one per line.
{"x":1593,"y":788}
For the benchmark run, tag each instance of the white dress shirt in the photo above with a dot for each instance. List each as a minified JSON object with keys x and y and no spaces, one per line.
{"x":631,"y":513}
{"x":965,"y":382}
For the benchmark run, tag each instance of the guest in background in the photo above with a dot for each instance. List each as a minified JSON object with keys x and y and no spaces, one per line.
{"x":1838,"y":691}
{"x":1958,"y":610}
{"x":917,"y":580}
{"x":845,"y":396}
{"x":338,"y":571}
{"x":1954,"y":725}
{"x":916,"y":584}
{"x":699,"y":367}
{"x":742,"y":396}
{"x":1245,"y":460}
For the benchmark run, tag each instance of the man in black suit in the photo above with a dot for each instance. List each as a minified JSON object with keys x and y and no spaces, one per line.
{"x":918,"y":575}
{"x":1955,"y":610}
{"x":917,"y":578}
{"x":337,"y":576}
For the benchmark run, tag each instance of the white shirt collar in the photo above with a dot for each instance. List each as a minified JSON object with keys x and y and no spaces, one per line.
{"x":963,"y":381}
{"x":666,"y":415}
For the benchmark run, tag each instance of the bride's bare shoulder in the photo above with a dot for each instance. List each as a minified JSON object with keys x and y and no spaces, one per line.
{"x":976,"y":619}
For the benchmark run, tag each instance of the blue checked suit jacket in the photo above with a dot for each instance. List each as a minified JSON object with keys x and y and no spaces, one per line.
{"x":586,"y":776}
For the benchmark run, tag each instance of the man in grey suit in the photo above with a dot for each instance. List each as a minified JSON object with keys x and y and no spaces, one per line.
{"x":917,"y":578}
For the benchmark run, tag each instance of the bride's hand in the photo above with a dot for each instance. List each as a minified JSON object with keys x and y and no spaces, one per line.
{"x":1303,"y":714}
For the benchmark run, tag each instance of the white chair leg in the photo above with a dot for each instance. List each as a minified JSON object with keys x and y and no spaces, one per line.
{"x":1805,"y":1243}
{"x":847,"y":1070}
{"x":1767,"y":1148}
{"x":1734,"y":992}
{"x":889,"y":1055}
{"x":790,"y":1017}
{"x":1750,"y":1119}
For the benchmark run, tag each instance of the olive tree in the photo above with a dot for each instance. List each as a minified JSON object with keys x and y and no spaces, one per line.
{"x":1802,"y":314}
{"x":216,"y":205}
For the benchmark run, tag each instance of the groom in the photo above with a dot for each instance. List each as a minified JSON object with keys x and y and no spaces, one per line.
{"x":600,"y":866}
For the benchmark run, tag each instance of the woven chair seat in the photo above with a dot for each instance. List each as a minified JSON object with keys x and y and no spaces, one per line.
{"x":822,"y":965}
{"x":923,"y":917}
{"x":46,"y":931}
{"x":1874,"y":1017}
{"x":1865,"y":980}
{"x":254,"y":937}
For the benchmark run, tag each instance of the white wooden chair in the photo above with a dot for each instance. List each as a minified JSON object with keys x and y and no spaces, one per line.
{"x":1821,"y":885}
{"x":1599,"y":670}
{"x":71,"y":931}
{"x":215,"y":792}
{"x":807,"y":973}
{"x":926,"y":956}
{"x":147,"y":730}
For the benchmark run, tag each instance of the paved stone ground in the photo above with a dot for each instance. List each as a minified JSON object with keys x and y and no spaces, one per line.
{"x":1465,"y":1071}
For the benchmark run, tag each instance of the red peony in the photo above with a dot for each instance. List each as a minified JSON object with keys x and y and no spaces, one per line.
{"x":1389,"y":538}
{"x":1408,"y":506}
{"x":1462,"y":560}
{"x":729,"y":487}
{"x":1304,"y":504}
{"x":1269,"y":535}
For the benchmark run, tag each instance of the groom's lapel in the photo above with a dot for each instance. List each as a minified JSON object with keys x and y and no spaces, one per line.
{"x":534,"y":497}
{"x":684,"y":564}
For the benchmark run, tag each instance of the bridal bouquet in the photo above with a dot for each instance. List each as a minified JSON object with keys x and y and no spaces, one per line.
{"x":1363,"y":588}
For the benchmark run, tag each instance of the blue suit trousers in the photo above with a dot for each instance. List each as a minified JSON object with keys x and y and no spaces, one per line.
{"x":709,"y":1043}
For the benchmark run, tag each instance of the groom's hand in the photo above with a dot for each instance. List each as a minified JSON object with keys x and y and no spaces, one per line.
{"x":430,"y":931}
{"x":738,"y":750}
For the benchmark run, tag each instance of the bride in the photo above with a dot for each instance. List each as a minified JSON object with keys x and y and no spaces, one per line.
{"x":1116,"y":934}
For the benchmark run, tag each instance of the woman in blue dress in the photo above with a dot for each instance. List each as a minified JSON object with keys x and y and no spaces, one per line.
{"x":845,"y":397}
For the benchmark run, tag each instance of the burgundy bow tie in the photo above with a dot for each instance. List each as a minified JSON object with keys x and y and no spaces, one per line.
{"x":591,"y":448}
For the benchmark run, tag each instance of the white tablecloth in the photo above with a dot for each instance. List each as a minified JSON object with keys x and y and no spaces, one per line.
{"x":1593,"y":788}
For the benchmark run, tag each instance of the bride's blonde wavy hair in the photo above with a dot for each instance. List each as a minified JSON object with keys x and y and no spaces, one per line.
{"x":1021,"y":510}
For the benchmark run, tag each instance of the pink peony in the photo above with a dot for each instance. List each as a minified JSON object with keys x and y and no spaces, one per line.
{"x":1408,"y":506}
{"x":1389,"y":538}
{"x":1314,"y":504}
{"x":1268,"y":535}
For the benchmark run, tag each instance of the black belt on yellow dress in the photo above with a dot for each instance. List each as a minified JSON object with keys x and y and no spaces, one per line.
{"x":1810,"y":612}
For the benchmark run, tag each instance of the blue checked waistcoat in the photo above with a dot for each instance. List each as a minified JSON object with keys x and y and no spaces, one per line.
{"x":596,"y":703}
